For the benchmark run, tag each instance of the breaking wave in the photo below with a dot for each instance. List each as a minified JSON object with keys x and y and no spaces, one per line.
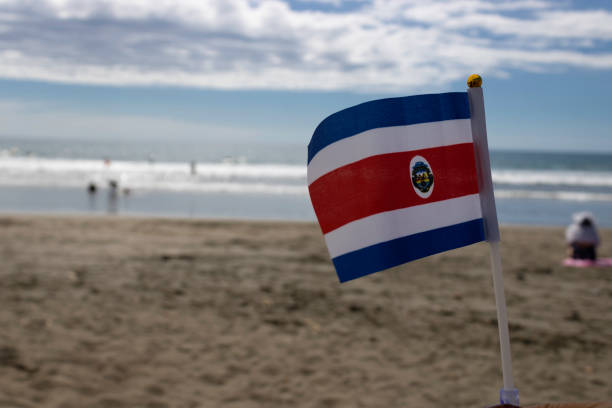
{"x":268,"y":178}
{"x":204,"y":177}
{"x":553,"y":177}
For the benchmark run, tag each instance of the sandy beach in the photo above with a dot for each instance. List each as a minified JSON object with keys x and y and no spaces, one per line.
{"x":141,"y":312}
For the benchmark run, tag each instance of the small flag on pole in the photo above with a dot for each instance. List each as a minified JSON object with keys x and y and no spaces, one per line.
{"x":394,"y":180}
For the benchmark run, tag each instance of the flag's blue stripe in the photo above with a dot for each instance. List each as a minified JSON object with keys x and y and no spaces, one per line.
{"x":408,"y":110}
{"x":401,"y":250}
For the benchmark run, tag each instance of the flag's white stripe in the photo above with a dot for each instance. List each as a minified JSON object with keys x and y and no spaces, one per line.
{"x":389,"y":225}
{"x":388,"y":140}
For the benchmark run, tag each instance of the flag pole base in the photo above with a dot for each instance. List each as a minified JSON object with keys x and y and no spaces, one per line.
{"x":509,"y":396}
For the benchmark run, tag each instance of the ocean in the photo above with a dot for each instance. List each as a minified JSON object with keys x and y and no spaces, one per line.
{"x":243,"y":180}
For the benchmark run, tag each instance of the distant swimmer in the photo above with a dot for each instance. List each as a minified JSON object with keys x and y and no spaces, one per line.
{"x":193,"y":167}
{"x":113,"y":199}
{"x":113,"y":185}
{"x":92,"y":187}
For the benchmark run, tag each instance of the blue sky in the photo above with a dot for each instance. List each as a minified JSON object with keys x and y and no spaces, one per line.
{"x":271,"y":70}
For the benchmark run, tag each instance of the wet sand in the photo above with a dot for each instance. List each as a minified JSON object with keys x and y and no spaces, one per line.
{"x":141,"y":312}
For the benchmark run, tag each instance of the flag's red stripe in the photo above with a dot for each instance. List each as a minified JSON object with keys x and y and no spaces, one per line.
{"x":383,"y":183}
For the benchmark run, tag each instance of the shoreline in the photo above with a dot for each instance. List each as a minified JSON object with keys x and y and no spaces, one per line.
{"x":248,"y":206}
{"x":170,"y":217}
{"x":166,"y":312}
{"x":152,"y":217}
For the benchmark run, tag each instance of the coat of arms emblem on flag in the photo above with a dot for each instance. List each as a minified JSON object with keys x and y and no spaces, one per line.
{"x":422,"y":176}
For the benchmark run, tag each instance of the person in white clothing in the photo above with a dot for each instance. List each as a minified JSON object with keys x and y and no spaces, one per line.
{"x":582,"y":237}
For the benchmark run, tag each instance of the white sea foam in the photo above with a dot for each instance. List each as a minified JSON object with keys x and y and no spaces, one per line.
{"x":553,"y":195}
{"x":209,"y":177}
{"x":553,"y":177}
{"x":285,"y":179}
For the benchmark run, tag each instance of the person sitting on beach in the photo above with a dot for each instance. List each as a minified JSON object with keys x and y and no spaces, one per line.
{"x":581,"y":237}
{"x":598,"y":404}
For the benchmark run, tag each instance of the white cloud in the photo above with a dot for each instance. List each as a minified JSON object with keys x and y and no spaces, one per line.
{"x":265,"y":44}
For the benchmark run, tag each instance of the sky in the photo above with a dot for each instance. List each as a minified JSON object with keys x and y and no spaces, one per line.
{"x":271,"y":70}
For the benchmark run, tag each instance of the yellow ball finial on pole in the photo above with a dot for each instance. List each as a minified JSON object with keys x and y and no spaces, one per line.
{"x":474,"y":81}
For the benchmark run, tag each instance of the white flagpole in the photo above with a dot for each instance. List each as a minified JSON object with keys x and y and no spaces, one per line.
{"x":508,"y":394}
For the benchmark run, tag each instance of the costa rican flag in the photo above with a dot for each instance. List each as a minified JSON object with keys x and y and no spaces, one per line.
{"x":394,"y":180}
